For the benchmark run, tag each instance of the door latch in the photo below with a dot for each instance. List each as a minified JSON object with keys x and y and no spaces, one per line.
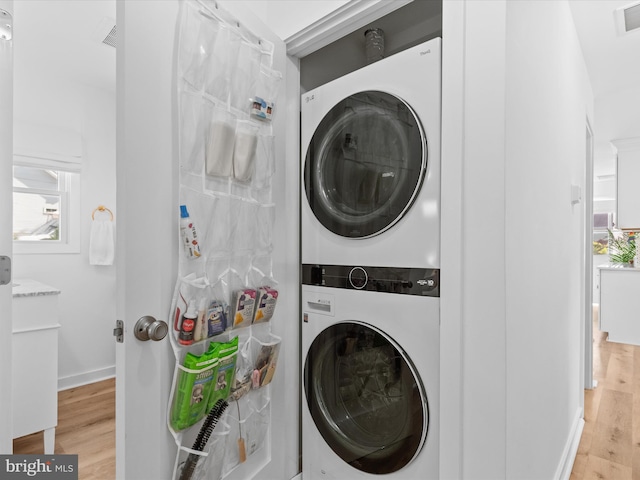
{"x":118,"y":332}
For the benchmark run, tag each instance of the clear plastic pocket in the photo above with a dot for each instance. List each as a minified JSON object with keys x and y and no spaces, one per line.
{"x":265,"y":161}
{"x":221,"y":62}
{"x":244,"y":151}
{"x":265,"y":353}
{"x":192,"y":130}
{"x":245,"y":76}
{"x":244,"y":227}
{"x":197,"y":40}
{"x":257,"y":429}
{"x":265,"y":220}
{"x":249,"y":428}
{"x":266,"y":95}
{"x":221,"y":137}
{"x":206,"y":464}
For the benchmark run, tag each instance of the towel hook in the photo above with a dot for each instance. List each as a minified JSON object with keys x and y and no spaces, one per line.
{"x":101,"y":208}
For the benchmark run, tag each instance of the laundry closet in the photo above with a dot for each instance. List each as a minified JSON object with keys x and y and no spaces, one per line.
{"x":370,"y":250}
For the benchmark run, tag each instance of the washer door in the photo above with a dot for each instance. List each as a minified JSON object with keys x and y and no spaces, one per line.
{"x":365,"y":164}
{"x":365,"y":397}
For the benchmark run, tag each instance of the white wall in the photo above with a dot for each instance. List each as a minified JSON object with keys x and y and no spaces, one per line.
{"x":87,"y":301}
{"x":483,"y":243}
{"x":617,"y":115}
{"x":547,"y":103}
{"x":521,"y":111}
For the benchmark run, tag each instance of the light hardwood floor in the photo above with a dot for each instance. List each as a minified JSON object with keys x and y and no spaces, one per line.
{"x":86,"y":427}
{"x":610,"y":444}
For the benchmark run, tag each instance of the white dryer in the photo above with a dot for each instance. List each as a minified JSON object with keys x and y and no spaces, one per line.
{"x":370,"y":354}
{"x":370,"y":146}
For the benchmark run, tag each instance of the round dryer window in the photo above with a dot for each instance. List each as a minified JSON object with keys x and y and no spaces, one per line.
{"x":365,"y":164}
{"x":365,"y":398}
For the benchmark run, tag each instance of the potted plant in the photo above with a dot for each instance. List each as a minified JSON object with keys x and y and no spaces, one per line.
{"x":622,"y":249}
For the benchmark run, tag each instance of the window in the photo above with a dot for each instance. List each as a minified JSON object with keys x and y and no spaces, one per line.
{"x":45,"y":209}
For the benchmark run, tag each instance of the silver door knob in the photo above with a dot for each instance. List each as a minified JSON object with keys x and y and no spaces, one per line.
{"x":148,"y":328}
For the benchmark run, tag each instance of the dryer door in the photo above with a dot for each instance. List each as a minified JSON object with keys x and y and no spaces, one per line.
{"x":365,"y":164}
{"x":365,"y":397}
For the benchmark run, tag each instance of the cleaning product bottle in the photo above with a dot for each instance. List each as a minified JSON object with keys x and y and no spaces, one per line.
{"x":188,"y":234}
{"x":201,"y":329}
{"x":189,"y":319}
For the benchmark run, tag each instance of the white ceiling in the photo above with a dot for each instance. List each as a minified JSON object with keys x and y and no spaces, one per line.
{"x":613,"y":60}
{"x":61,"y":39}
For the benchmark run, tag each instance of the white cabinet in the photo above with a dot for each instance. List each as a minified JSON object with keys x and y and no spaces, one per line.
{"x":620,"y":304}
{"x":628,"y":175}
{"x":35,"y":361}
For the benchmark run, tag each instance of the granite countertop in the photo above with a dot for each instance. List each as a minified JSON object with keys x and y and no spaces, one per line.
{"x":26,"y":287}
{"x":618,"y":266}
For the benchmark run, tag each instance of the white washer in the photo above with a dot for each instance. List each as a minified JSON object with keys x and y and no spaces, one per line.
{"x":370,"y":363}
{"x":371,"y":164}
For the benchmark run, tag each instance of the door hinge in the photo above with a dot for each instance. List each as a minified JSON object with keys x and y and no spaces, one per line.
{"x":118,"y":332}
{"x":5,"y":270}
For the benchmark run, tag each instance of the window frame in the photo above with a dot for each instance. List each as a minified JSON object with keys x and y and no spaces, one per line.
{"x":69,"y":192}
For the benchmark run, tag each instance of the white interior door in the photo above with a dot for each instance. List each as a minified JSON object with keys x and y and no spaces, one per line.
{"x":147,"y":245}
{"x":6,"y":220}
{"x":146,"y":242}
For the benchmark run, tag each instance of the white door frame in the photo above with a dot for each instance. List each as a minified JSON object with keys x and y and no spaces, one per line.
{"x":6,"y":237}
{"x":589,"y":382}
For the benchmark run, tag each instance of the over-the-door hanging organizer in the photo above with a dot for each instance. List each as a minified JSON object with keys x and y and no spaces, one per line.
{"x":225,"y":295}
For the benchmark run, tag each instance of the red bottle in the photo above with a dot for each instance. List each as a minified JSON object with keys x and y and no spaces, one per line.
{"x":185,"y":337}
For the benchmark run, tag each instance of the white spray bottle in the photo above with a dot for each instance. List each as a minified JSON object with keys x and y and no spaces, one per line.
{"x":188,"y":234}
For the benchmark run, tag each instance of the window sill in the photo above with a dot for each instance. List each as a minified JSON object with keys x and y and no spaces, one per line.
{"x":42,"y":247}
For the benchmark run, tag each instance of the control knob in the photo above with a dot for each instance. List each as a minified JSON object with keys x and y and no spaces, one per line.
{"x":358,"y":278}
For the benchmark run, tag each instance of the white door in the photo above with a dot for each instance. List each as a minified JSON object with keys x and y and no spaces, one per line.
{"x":147,"y":247}
{"x":6,"y":216}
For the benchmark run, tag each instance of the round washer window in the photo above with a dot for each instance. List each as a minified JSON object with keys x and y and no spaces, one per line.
{"x":365,"y":164}
{"x":365,"y":397}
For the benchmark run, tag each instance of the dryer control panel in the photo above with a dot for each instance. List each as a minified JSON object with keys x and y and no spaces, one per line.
{"x":408,"y":281}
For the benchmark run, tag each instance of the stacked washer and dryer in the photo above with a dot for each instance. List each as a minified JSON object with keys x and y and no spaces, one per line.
{"x":370,"y":226}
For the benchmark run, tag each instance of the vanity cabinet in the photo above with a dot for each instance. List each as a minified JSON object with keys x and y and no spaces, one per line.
{"x":628,"y":177}
{"x":35,"y":360}
{"x":620,"y":303}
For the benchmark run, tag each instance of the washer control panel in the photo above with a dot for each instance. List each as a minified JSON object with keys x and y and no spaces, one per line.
{"x":408,"y":281}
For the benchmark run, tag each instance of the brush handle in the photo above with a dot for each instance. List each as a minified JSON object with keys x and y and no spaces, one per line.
{"x":242,"y":451}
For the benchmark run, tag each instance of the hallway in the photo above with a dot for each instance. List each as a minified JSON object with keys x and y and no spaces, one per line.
{"x":610,"y":444}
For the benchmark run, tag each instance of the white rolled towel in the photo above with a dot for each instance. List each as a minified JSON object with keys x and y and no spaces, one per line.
{"x":101,"y":243}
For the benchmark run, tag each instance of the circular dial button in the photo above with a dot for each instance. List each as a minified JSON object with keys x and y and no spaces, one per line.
{"x":358,"y":278}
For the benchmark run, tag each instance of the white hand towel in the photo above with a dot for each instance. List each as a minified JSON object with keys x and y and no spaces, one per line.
{"x":101,"y":243}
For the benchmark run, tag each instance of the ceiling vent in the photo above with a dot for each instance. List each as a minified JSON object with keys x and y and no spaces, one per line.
{"x":628,"y":18}
{"x":110,"y":39}
{"x":106,"y":32}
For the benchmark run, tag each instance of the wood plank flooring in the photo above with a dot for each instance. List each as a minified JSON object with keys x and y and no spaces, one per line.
{"x":86,"y":427}
{"x":610,"y":444}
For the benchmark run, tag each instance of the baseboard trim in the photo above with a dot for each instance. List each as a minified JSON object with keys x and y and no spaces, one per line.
{"x":571,"y":448}
{"x":85,"y":378}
